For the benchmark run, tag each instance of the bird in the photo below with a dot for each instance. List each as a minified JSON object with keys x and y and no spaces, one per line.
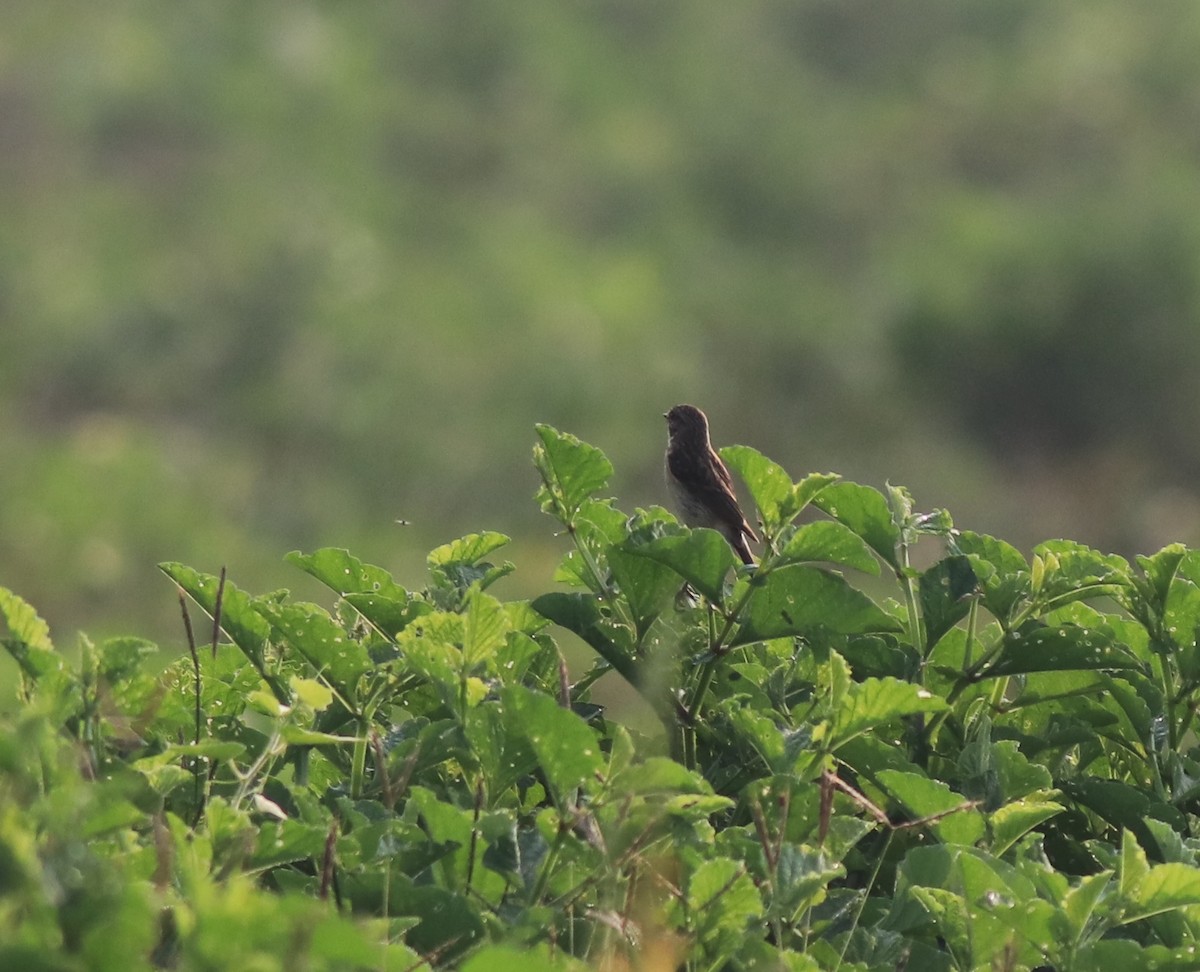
{"x":699,"y":483}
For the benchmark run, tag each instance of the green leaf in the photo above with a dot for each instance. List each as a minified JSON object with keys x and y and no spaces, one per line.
{"x":770,"y":486}
{"x":877,"y":701}
{"x":722,"y":897}
{"x":23,"y":621}
{"x":344,"y":573}
{"x":810,"y":487}
{"x":1160,"y":569}
{"x":647,"y":585}
{"x":566,"y":747}
{"x":1060,"y":648}
{"x":486,"y":628}
{"x":923,"y":797}
{"x":388,"y":615}
{"x":1013,"y":821}
{"x":830,"y":542}
{"x":239,"y":619}
{"x":448,"y":926}
{"x":802,"y":600}
{"x":701,"y":557}
{"x":945,"y":588}
{"x":582,"y":614}
{"x":1002,"y":571}
{"x":1123,"y":806}
{"x":1065,"y":572}
{"x":309,"y":629}
{"x":466,"y":550}
{"x":457,"y":565}
{"x":504,"y":958}
{"x":865,"y":511}
{"x":1165,"y":888}
{"x":571,"y":472}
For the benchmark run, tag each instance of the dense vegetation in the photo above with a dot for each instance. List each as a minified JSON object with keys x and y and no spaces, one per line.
{"x":275,"y":274}
{"x":989,"y":764}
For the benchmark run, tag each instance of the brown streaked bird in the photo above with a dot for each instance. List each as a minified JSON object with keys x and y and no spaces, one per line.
{"x":700,"y":485}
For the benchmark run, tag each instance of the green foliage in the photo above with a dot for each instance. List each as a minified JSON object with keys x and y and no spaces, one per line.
{"x":986,"y":764}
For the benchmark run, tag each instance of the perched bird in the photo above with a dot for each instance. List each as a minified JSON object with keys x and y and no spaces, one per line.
{"x":699,"y":482}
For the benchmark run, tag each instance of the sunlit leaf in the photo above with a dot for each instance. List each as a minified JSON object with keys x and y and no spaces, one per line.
{"x":344,"y":573}
{"x":571,"y":472}
{"x":831,"y":542}
{"x":865,"y":511}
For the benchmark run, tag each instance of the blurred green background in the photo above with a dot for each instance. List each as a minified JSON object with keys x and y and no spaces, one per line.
{"x":276,"y":274}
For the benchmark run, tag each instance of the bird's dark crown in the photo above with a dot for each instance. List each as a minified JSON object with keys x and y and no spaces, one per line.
{"x":687,"y":420}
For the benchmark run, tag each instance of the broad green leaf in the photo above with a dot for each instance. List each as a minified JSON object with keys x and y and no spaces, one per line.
{"x":504,"y":958}
{"x":239,"y":619}
{"x":1059,"y":648}
{"x":977,"y":938}
{"x":865,"y":511}
{"x":1127,"y":955}
{"x":1002,"y":572}
{"x":466,"y":550}
{"x":1165,"y":888}
{"x":497,"y":739}
{"x":877,"y":701}
{"x":285,"y":842}
{"x":945,"y":589}
{"x":582,"y":614}
{"x":1160,"y":569}
{"x":23,"y":622}
{"x":1066,"y":572}
{"x":701,"y":557}
{"x":309,"y":629}
{"x":721,"y":895}
{"x":803,"y":600}
{"x":646,"y":584}
{"x":566,"y":748}
{"x":342,"y":572}
{"x":951,"y":816}
{"x":459,"y":565}
{"x":830,"y":542}
{"x":770,"y":486}
{"x":1134,"y":866}
{"x":485,"y":630}
{"x":449,"y":923}
{"x":1014,"y":820}
{"x":571,"y":471}
{"x":657,"y":774}
{"x":1084,"y":900}
{"x":1122,"y":805}
{"x":388,"y":615}
{"x":810,"y":487}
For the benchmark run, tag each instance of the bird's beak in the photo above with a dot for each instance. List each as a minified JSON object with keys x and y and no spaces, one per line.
{"x":666,"y":414}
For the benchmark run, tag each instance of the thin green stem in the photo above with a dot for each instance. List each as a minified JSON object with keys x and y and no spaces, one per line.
{"x":359,"y":758}
{"x":916,"y":632}
{"x":717,"y":648}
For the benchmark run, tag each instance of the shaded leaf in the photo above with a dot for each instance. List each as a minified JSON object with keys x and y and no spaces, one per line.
{"x":701,"y":557}
{"x":566,"y":748}
{"x":802,"y":600}
{"x":1060,"y":648}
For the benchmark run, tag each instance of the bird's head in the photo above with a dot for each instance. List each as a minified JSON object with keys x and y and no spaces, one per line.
{"x":687,"y":422}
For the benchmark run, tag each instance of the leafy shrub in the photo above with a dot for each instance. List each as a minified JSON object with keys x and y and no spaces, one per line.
{"x":985,"y":764}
